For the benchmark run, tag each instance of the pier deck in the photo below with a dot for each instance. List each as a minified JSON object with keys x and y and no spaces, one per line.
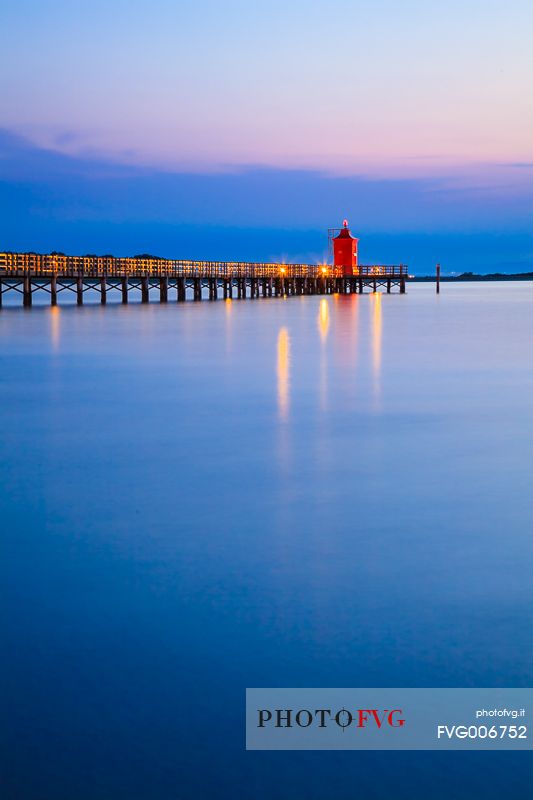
{"x":28,"y":273}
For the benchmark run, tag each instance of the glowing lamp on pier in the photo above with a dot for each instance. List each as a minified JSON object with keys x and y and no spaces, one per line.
{"x":345,"y":250}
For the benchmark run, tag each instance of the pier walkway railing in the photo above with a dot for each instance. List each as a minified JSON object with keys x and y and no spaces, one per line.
{"x":27,"y":273}
{"x":98,"y":266}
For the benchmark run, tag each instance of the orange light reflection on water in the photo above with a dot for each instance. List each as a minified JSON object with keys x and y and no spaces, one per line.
{"x":228,"y":312}
{"x":55,"y":326}
{"x":323,"y":328}
{"x":283,"y":364}
{"x":323,"y":319}
{"x":376,"y":322}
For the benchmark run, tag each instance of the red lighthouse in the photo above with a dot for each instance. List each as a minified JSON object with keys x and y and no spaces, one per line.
{"x":345,"y":250}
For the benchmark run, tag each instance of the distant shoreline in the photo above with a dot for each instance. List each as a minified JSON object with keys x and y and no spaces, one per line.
{"x":471,"y":276}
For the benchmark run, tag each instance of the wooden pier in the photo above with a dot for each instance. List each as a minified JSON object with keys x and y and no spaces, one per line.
{"x":28,"y":273}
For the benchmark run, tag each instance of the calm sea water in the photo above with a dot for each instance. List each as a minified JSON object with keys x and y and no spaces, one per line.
{"x":300,"y":492}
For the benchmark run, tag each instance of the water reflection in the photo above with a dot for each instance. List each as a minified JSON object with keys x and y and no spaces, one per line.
{"x":283,"y":373}
{"x":228,"y":309}
{"x":344,"y":341}
{"x":353,"y":342}
{"x":323,"y":328}
{"x":323,"y":319}
{"x":376,"y":344}
{"x":55,"y":327}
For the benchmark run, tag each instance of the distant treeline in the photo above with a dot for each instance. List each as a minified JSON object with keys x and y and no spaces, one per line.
{"x":499,"y":275}
{"x":473,"y":276}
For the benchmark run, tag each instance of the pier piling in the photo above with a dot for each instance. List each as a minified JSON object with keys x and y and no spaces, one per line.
{"x":26,"y":291}
{"x":145,"y":290}
{"x":53,"y":290}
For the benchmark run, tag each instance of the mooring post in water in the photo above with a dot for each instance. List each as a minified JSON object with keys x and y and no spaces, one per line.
{"x":437,"y":285}
{"x":79,"y":290}
{"x":103,"y":290}
{"x":124,"y":289}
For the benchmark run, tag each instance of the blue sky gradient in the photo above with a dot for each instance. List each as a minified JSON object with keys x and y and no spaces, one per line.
{"x":238,"y":130}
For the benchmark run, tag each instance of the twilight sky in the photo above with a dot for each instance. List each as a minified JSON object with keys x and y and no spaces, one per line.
{"x":245,"y":129}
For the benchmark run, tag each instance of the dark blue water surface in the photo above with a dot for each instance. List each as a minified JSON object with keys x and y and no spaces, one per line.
{"x":298,"y":492}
